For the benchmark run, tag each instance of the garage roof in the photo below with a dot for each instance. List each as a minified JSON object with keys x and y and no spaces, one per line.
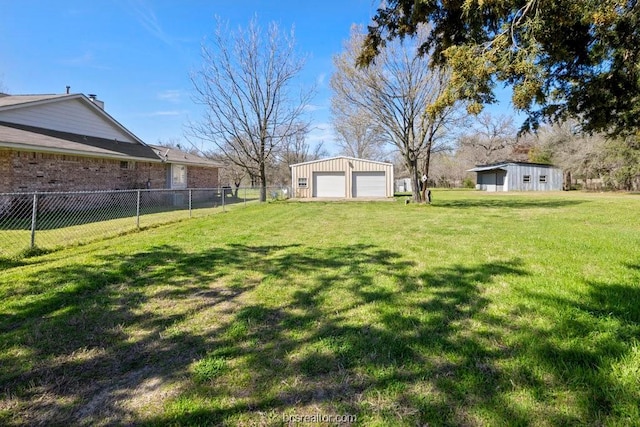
{"x":340,"y":157}
{"x":503,"y":166}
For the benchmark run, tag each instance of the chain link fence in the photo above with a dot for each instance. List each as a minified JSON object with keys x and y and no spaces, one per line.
{"x":51,"y":220}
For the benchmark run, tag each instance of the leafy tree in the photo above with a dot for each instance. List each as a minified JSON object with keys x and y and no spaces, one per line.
{"x":246,"y":84}
{"x":399,"y":92}
{"x":563,"y":57}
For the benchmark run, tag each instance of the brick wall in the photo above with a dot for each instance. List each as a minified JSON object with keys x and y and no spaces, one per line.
{"x":30,"y":171}
{"x":22,"y":171}
{"x":201,"y":177}
{"x":6,"y":175}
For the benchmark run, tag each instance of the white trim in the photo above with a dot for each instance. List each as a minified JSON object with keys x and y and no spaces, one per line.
{"x":340,"y":157}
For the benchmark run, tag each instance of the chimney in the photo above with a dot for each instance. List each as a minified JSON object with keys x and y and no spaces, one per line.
{"x":94,"y":98}
{"x":68,"y":88}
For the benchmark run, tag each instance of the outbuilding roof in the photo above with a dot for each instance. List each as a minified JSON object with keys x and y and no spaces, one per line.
{"x":340,"y":157}
{"x":503,"y":165}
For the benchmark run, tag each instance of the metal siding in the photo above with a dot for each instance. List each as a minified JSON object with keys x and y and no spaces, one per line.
{"x":338,"y":164}
{"x":516,"y":175}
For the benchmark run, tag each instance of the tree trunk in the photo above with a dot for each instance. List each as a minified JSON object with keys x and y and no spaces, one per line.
{"x":426,"y":174}
{"x":566,"y":186}
{"x":237,"y":188}
{"x":412,"y":165}
{"x":263,"y":182}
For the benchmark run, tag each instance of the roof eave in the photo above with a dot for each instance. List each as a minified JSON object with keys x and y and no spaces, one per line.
{"x":340,"y":157}
{"x":112,"y":155}
{"x":83,"y":98}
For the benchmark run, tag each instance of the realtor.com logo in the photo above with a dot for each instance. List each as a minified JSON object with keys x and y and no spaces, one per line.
{"x":318,"y":418}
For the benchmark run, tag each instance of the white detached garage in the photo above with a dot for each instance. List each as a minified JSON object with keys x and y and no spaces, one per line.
{"x":342,"y":177}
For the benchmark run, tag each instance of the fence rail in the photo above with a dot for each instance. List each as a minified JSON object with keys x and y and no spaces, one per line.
{"x":50,"y":220}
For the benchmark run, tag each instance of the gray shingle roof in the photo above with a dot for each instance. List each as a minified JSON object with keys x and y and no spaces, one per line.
{"x":174,"y":155}
{"x":7,"y":100}
{"x":51,"y":140}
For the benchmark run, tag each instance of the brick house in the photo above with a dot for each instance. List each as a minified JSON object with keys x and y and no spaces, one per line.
{"x":70,"y":143}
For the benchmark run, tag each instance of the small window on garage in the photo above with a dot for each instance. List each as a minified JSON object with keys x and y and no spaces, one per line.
{"x":526,"y":178}
{"x":302,"y":182}
{"x":543,"y":178}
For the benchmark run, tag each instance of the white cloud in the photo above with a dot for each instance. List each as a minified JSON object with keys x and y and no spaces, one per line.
{"x":165,"y":113}
{"x":310,"y":108}
{"x":170,"y":95}
{"x":322,"y":133}
{"x":149,"y":21}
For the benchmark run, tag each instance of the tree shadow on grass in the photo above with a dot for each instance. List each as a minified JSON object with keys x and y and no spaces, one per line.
{"x":82,"y":339}
{"x":381,"y":340}
{"x":509,"y":202}
{"x":593,"y":349}
{"x":243,"y":334}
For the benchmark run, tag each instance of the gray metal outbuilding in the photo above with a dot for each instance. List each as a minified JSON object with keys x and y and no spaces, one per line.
{"x":518,"y":176}
{"x":342,"y":177}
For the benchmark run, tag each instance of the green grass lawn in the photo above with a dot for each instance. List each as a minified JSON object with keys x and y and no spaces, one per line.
{"x":477,"y":310}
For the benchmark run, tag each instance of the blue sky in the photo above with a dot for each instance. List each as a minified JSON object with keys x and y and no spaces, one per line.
{"x":136,"y":55}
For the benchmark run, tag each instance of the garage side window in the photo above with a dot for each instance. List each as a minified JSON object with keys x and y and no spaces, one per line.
{"x":302,"y":182}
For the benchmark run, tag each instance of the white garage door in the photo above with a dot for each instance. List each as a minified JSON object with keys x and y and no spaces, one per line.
{"x":328,"y":184}
{"x":369,"y":184}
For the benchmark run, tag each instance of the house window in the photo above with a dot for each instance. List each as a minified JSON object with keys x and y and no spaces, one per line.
{"x":126,"y":165}
{"x":178,"y":176}
{"x":302,"y":182}
{"x":543,"y":178}
{"x":526,"y":179}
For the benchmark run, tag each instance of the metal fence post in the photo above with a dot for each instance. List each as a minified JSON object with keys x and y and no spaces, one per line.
{"x":223,"y":191}
{"x":34,"y":217}
{"x":190,"y":202}
{"x":138,"y":210}
{"x":245,"y":197}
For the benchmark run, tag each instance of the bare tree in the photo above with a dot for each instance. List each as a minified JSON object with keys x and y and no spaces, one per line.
{"x":294,"y":150}
{"x":578,"y":153}
{"x":230,"y":173}
{"x":399,"y":91}
{"x":490,"y":139}
{"x":247,"y":85}
{"x":359,"y":134}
